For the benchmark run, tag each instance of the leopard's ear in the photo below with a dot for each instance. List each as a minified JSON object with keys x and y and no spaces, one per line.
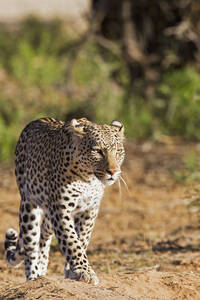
{"x":119,"y":126}
{"x":78,"y":126}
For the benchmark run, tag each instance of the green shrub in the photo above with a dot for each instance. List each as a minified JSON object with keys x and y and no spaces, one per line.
{"x":33,"y":67}
{"x":45,"y":71}
{"x":180,"y":101}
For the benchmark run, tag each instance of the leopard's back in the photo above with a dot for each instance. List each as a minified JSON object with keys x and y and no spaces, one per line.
{"x":36,"y":148}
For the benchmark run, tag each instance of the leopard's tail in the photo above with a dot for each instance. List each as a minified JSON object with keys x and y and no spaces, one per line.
{"x":13,"y":248}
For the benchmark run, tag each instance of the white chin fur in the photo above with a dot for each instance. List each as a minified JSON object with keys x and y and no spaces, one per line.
{"x":109,"y":182}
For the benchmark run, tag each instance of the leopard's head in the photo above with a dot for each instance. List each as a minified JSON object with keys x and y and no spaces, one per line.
{"x":100,"y":149}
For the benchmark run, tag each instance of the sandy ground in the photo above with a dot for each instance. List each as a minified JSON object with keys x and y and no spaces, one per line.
{"x":145,"y":244}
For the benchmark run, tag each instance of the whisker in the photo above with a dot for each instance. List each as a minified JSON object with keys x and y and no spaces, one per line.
{"x":120,"y":189}
{"x":125,"y":184}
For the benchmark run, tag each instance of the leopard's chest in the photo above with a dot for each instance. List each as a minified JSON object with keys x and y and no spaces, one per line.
{"x":84,"y":195}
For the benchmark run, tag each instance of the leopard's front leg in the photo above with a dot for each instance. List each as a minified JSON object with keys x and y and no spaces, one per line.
{"x":84,"y":224}
{"x":71,"y":246}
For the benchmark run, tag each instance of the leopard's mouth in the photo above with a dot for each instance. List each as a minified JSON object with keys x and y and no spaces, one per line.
{"x":106,"y":178}
{"x":110,"y":181}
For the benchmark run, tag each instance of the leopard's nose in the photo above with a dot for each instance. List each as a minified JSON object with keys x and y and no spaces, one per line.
{"x":110,"y":172}
{"x":113,"y":171}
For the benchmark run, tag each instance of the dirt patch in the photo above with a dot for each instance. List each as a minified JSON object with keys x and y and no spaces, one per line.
{"x":141,"y":285}
{"x":145,"y":244}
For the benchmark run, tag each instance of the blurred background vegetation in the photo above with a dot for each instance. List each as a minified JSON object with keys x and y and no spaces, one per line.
{"x":138,"y":61}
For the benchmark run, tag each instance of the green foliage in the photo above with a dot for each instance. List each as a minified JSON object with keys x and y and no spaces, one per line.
{"x":189,"y":172}
{"x":33,"y":67}
{"x":137,"y":119}
{"x":180,"y":103}
{"x":8,"y":128}
{"x":46,"y":71}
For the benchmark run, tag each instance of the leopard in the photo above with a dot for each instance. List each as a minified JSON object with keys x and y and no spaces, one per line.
{"x":62,"y":169}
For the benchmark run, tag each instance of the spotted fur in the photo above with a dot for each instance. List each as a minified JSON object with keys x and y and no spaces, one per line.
{"x":62,"y":170}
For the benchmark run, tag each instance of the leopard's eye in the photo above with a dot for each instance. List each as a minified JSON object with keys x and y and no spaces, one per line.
{"x":99,"y":151}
